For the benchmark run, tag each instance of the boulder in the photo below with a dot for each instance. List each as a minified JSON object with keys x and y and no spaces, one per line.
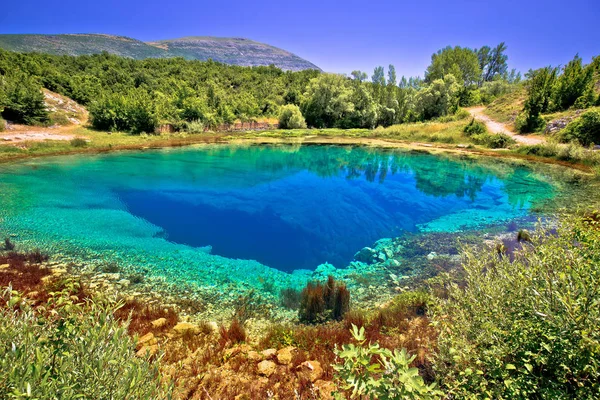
{"x":146,"y":340}
{"x":366,"y":255}
{"x":266,"y":368}
{"x":185,"y":328}
{"x":268,"y":353}
{"x":147,"y":351}
{"x":255,"y":356}
{"x":159,"y":323}
{"x":312,"y":370}
{"x":285,"y":355}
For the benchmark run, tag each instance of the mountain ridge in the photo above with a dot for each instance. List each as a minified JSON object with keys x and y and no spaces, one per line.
{"x":233,"y":51}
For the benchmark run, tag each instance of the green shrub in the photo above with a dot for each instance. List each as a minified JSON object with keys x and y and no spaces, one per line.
{"x":291,"y":117}
{"x":377,"y":373}
{"x":195,"y":126}
{"x":526,"y":328}
{"x":74,"y":351}
{"x":2,"y":125}
{"x":585,"y":129}
{"x":78,"y":142}
{"x":474,"y":127}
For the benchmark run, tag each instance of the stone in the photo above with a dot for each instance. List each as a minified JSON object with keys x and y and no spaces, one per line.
{"x":184,"y":328}
{"x":325,"y":389}
{"x":214,"y":327}
{"x":4,"y":266}
{"x":268,"y":353}
{"x":366,"y":255}
{"x":159,"y":323}
{"x":312,"y":369}
{"x":124,"y":282}
{"x":147,"y":351}
{"x":432,"y":255}
{"x":285,"y":355}
{"x":147,"y":340}
{"x":255,"y":356}
{"x":266,"y":368}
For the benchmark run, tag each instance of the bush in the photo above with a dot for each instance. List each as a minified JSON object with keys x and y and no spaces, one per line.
{"x":321,"y":302}
{"x":526,"y":328}
{"x":527,"y":123}
{"x":78,"y":142}
{"x":2,"y":125}
{"x":374,"y":372}
{"x":291,"y":117}
{"x":76,"y":351}
{"x":474,"y":127}
{"x":195,"y":126}
{"x":585,"y":129}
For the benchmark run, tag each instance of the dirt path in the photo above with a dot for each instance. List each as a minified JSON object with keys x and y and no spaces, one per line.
{"x":498,"y":127}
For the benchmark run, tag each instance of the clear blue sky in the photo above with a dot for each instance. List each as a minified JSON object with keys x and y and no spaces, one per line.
{"x":337,"y":36}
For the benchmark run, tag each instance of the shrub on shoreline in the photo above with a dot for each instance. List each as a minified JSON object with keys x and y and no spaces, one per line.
{"x":526,"y":328}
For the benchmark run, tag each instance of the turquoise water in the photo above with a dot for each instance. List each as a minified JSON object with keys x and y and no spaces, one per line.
{"x":222,"y":215}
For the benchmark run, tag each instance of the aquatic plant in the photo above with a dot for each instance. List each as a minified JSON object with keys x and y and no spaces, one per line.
{"x":233,"y":334}
{"x":290,"y":298}
{"x":321,"y":302}
{"x":8,"y":244}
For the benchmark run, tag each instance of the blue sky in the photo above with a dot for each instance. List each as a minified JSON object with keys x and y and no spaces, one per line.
{"x":337,"y":36}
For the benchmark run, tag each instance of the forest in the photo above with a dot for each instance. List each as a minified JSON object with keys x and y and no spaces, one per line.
{"x":140,"y":95}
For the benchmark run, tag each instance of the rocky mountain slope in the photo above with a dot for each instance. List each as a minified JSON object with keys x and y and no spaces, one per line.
{"x":234,"y":51}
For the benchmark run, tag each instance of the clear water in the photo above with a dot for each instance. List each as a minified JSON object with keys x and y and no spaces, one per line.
{"x":217,"y":215}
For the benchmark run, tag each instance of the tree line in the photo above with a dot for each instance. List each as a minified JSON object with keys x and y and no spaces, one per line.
{"x":139,"y":95}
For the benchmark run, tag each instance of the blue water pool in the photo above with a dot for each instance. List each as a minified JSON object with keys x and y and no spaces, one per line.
{"x":223,"y":214}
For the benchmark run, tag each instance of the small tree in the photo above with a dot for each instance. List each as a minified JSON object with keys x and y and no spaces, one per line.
{"x":290,"y":117}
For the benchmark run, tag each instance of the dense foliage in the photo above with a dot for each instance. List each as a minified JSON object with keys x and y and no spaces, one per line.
{"x":585,"y":130}
{"x":525,"y":324}
{"x":69,"y":350}
{"x":552,"y":89}
{"x":141,"y":95}
{"x":291,"y":117}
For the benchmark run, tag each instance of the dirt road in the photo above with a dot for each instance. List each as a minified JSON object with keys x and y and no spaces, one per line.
{"x":498,"y":127}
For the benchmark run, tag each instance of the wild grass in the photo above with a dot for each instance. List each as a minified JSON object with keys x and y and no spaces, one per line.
{"x":506,"y":108}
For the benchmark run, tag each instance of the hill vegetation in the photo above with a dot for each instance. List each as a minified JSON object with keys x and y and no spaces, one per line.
{"x":233,"y":51}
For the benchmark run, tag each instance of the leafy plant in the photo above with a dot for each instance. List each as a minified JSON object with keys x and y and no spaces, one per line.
{"x":585,"y":129}
{"x":378,"y":373}
{"x":527,"y":327}
{"x":474,"y":127}
{"x":69,"y":350}
{"x":78,"y":142}
{"x":290,"y":117}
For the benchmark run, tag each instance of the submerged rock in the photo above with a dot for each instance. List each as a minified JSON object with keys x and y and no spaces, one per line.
{"x":365,"y":255}
{"x":285,"y":355}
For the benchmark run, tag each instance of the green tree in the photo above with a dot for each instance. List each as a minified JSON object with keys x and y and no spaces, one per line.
{"x":571,"y":84}
{"x":540,"y":83}
{"x":392,"y":76}
{"x":327,"y":101}
{"x":439,"y":98}
{"x":290,"y":117}
{"x":492,"y":62}
{"x":359,"y":76}
{"x":23,"y":100}
{"x":461,"y":62}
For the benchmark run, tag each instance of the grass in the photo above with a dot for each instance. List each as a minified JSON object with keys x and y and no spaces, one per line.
{"x":505,"y":108}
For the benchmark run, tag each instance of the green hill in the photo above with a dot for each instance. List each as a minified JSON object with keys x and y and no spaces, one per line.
{"x":233,"y":51}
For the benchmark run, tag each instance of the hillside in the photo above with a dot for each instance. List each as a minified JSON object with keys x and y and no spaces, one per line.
{"x":233,"y":51}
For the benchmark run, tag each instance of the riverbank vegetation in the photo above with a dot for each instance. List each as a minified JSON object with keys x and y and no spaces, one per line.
{"x":532,"y":302}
